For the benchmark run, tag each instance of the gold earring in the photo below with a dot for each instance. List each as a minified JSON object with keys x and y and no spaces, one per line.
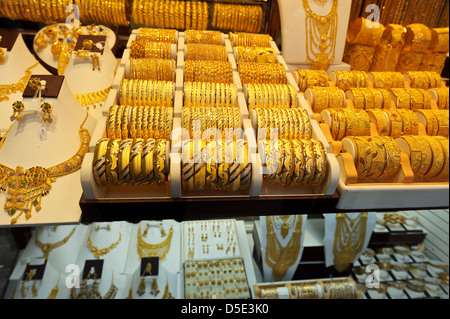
{"x":141,"y":289}
{"x":46,"y":108}
{"x":18,"y":107}
{"x":155,"y":290}
{"x":95,"y":61}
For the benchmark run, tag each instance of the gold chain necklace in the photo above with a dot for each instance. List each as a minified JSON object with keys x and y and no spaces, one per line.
{"x":25,"y":187}
{"x":284,"y":223}
{"x":321,"y":32}
{"x":349,"y":238}
{"x":100,"y":252}
{"x":154,"y":250}
{"x":320,"y":2}
{"x":48,"y":247}
{"x":280,"y":258}
{"x":8,"y":89}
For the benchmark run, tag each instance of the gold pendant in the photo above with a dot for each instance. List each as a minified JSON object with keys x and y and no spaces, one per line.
{"x":322,"y":62}
{"x":280,"y":269}
{"x":343,"y":259}
{"x":284,"y":229}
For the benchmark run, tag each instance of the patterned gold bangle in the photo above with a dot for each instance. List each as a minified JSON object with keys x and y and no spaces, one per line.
{"x":358,"y":122}
{"x":111,"y":161}
{"x":99,"y":162}
{"x":437,"y":163}
{"x":402,"y":98}
{"x":395,"y":123}
{"x":321,"y":162}
{"x":420,"y":154}
{"x":298,"y":162}
{"x":123,"y":165}
{"x":444,"y":174}
{"x":378,"y":158}
{"x":443,"y":122}
{"x":382,"y":121}
{"x":363,"y":157}
{"x":410,"y":122}
{"x":321,"y":99}
{"x":111,"y":123}
{"x":358,"y":98}
{"x":442,"y":98}
{"x":336,"y":116}
{"x":432,"y":124}
{"x":392,"y":157}
{"x":310,"y":161}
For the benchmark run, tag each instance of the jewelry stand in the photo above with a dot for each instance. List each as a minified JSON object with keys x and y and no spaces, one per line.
{"x":294,"y":35}
{"x":23,"y":147}
{"x":102,"y":238}
{"x":267,"y":271}
{"x":329,"y":238}
{"x":17,"y":61}
{"x":45,"y":55}
{"x":171,"y":266}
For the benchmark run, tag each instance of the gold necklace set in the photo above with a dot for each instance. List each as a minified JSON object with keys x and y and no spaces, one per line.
{"x":349,"y":238}
{"x":25,"y":187}
{"x":154,"y":250}
{"x":321,"y":33}
{"x":7,"y":89}
{"x":280,"y":258}
{"x":47,"y":248}
{"x":103,"y":251}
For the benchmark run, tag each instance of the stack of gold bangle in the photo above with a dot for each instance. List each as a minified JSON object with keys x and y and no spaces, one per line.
{"x":351,"y":79}
{"x":252,"y":72}
{"x":395,"y":122}
{"x":424,"y":80}
{"x":225,"y":16}
{"x":260,"y":95}
{"x":310,"y":78}
{"x":152,"y":69}
{"x":341,"y":289}
{"x":36,"y":11}
{"x":293,"y":123}
{"x":139,"y":122}
{"x":146,"y":93}
{"x":208,"y":71}
{"x":387,"y":80}
{"x":145,"y":49}
{"x":204,"y":36}
{"x":114,"y":12}
{"x":376,"y":157}
{"x":309,"y":290}
{"x":206,"y":52}
{"x":130,"y":161}
{"x":326,"y":97}
{"x":219,"y":164}
{"x":210,"y":94}
{"x":269,"y":293}
{"x":178,"y":15}
{"x":156,"y":35}
{"x":437,"y":122}
{"x":348,"y":122}
{"x":429,"y":156}
{"x":411,"y":99}
{"x":365,"y":98}
{"x":294,"y":162}
{"x":245,"y":39}
{"x":442,"y":98}
{"x":255,"y":54}
{"x":217,"y":121}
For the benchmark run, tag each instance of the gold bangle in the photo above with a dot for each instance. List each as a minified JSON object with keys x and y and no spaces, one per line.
{"x":99,"y":162}
{"x":410,"y":122}
{"x":358,"y":122}
{"x":432,"y":124}
{"x":395,"y":123}
{"x":437,"y":163}
{"x":136,"y":161}
{"x":382,"y":121}
{"x":420,"y":154}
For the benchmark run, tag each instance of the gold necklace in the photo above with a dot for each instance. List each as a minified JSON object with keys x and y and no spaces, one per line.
{"x":48,"y":247}
{"x":284,"y":223}
{"x":349,"y":238}
{"x":8,"y":89}
{"x":321,"y":32}
{"x":93,"y":97}
{"x":25,"y":187}
{"x":281,"y":258}
{"x":154,"y":250}
{"x":100,"y":252}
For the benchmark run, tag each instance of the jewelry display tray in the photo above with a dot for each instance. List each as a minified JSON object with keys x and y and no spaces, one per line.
{"x":173,"y":189}
{"x":402,"y":191}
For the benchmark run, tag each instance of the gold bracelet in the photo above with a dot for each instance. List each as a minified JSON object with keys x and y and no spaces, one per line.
{"x":437,"y":163}
{"x":420,"y":154}
{"x":392,"y":157}
{"x":382,"y":121}
{"x":432,"y":123}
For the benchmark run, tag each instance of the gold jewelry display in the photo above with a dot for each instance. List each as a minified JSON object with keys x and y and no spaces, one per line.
{"x":208,"y":94}
{"x":310,"y":78}
{"x":146,"y":93}
{"x":7,"y":89}
{"x":255,"y":54}
{"x":139,"y":122}
{"x":113,"y":12}
{"x":294,"y":123}
{"x":326,"y":97}
{"x":349,"y":122}
{"x":169,"y":14}
{"x":18,"y":107}
{"x":261,"y":95}
{"x":154,"y":250}
{"x":442,"y":98}
{"x":349,"y":238}
{"x":206,"y":52}
{"x":208,"y":71}
{"x":246,"y":39}
{"x":424,"y":80}
{"x":437,"y":122}
{"x":93,"y":292}
{"x":155,"y":35}
{"x":103,"y":251}
{"x":151,"y":50}
{"x":280,"y":258}
{"x":54,"y":291}
{"x":152,"y":69}
{"x":250,"y":17}
{"x":203,"y":36}
{"x":218,"y":164}
{"x":25,"y":187}
{"x":47,"y":248}
{"x":46,"y":109}
{"x":388,"y":51}
{"x":388,"y":80}
{"x":130,"y":162}
{"x":321,"y":33}
{"x":308,"y":290}
{"x":351,"y":79}
{"x":376,"y":157}
{"x":253,"y":72}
